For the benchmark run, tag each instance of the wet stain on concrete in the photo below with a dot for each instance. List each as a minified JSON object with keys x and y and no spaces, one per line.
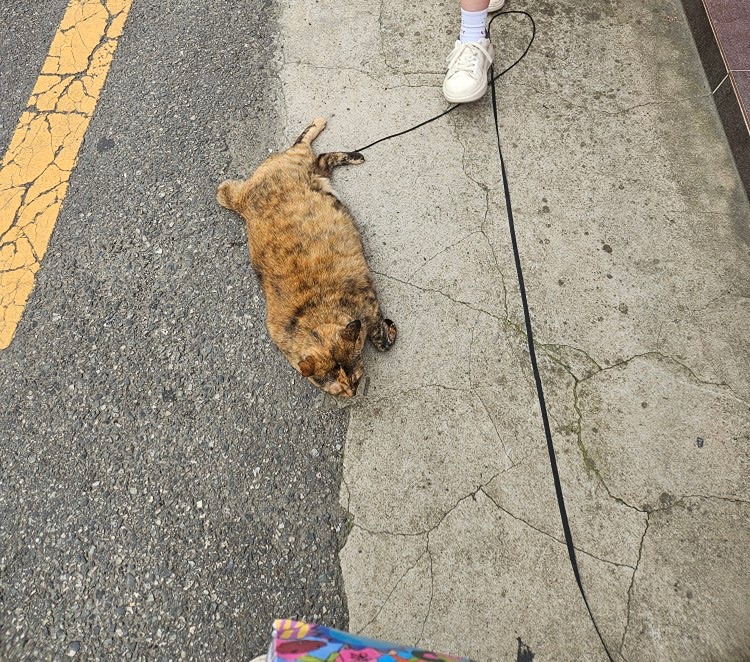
{"x":524,"y":654}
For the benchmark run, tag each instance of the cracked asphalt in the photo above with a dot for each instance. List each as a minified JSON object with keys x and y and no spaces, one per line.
{"x":167,"y":485}
{"x":42,"y":153}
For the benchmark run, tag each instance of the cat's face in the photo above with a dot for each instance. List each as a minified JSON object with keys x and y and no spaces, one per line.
{"x":336,"y":366}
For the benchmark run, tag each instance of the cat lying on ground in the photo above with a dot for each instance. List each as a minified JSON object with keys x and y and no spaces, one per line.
{"x":308,"y":255}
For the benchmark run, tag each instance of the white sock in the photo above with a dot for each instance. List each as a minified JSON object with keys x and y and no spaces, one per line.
{"x":472,"y":25}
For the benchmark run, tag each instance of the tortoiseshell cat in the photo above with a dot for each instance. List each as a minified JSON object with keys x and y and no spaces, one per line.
{"x":308,"y":255}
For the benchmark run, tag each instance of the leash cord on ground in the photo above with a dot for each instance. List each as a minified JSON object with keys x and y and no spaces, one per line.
{"x":527,"y":316}
{"x":532,"y":357}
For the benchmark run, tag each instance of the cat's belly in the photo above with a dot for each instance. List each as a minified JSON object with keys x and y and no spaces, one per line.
{"x":311,"y":246}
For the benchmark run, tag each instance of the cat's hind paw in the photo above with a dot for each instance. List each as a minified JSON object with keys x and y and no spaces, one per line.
{"x":385,"y":336}
{"x":330,"y":160}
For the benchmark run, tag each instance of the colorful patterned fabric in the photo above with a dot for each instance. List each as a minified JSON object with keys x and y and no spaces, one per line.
{"x":295,"y":641}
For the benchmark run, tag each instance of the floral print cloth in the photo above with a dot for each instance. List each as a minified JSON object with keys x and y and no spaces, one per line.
{"x":295,"y":641}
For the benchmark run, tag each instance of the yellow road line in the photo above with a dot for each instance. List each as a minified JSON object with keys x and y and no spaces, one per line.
{"x":36,"y":168}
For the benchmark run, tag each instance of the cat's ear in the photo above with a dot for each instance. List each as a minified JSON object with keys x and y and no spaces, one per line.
{"x":307,"y":366}
{"x":351,"y":331}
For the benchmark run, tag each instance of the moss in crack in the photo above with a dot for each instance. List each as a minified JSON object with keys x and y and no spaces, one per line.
{"x":588,"y":460}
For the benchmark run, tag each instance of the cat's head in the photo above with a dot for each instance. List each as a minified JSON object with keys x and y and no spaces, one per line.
{"x":334,"y":364}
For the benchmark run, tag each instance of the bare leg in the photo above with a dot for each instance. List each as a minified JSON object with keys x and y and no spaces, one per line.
{"x":474,"y":5}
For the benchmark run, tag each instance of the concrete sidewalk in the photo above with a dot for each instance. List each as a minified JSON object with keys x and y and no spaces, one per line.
{"x":634,"y":233}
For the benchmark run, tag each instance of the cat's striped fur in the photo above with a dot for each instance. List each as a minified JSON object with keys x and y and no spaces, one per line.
{"x":308,"y":255}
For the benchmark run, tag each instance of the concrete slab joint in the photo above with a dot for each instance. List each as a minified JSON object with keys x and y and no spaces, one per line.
{"x":634,"y":233}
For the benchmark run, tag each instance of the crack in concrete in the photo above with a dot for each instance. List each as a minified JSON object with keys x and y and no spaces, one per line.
{"x":497,"y":432}
{"x":381,"y":33}
{"x":591,"y":465}
{"x":471,"y":352}
{"x":680,"y":364}
{"x":548,"y":349}
{"x":456,"y":133}
{"x":417,"y":389}
{"x":427,"y":551}
{"x":494,"y":257}
{"x":364,"y":72}
{"x":414,"y":534}
{"x":430,"y":290}
{"x":737,"y":500}
{"x":588,"y":461}
{"x":487,"y":192}
{"x":632,"y":584}
{"x":432,"y":591}
{"x":661,"y":103}
{"x":413,"y":86}
{"x":555,"y":538}
{"x":386,"y":61}
{"x":482,"y":229}
{"x":552,"y":94}
{"x":348,"y":494}
{"x":283,"y":142}
{"x":444,"y":250}
{"x":392,"y":591}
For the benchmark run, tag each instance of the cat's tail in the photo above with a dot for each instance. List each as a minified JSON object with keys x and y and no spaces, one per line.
{"x":228,"y":193}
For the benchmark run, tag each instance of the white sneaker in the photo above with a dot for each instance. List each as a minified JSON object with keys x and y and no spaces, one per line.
{"x":468,"y":63}
{"x":496,"y":5}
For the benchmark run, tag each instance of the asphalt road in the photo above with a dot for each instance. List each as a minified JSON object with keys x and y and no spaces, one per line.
{"x":167,"y":485}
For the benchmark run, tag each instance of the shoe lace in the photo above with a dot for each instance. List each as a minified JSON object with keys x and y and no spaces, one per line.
{"x":465,"y":56}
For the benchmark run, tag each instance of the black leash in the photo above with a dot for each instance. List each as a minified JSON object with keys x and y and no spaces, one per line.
{"x":526,"y":315}
{"x":532,"y":356}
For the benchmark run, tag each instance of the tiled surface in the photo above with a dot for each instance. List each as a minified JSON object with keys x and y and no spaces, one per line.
{"x":742,"y":85}
{"x":731,"y":25}
{"x":705,"y":41}
{"x":721,"y":30}
{"x":731,"y":19}
{"x":728,"y":105}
